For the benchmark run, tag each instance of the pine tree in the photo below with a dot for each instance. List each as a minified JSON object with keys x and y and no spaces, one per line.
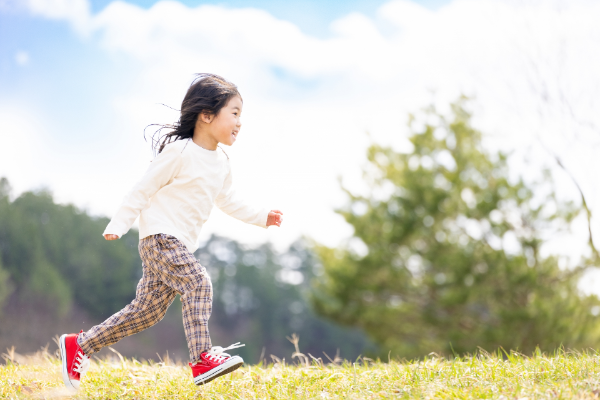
{"x":453,"y":257}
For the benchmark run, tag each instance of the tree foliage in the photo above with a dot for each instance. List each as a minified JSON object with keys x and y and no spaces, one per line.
{"x":261,"y":297}
{"x":55,"y":255}
{"x":454,"y":256}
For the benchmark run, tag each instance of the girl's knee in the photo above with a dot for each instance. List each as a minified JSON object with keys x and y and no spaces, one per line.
{"x":203,"y":282}
{"x":201,"y":287}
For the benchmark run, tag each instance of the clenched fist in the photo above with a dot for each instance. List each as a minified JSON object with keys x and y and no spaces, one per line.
{"x":275,"y":218}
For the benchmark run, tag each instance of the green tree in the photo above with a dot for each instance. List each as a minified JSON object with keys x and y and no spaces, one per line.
{"x":261,"y":297}
{"x":451,"y":256}
{"x":5,"y":286}
{"x":55,"y":255}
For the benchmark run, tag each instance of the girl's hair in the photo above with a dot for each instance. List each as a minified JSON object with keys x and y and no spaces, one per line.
{"x":208,"y":93}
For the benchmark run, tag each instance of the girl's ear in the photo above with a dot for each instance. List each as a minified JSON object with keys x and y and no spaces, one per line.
{"x":205,"y":117}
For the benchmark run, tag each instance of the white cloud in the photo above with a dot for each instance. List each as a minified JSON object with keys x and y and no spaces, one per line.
{"x":309,"y":101}
{"x":21,"y":149}
{"x":22,"y":58}
{"x":76,"y":12}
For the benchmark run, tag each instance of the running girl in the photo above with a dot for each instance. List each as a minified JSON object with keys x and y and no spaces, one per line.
{"x":173,"y":200}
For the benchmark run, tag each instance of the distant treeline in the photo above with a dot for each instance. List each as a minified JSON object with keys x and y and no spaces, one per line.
{"x":54,"y":259}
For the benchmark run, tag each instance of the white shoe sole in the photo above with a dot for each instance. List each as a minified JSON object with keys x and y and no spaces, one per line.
{"x":229,"y":366}
{"x":63,"y":355}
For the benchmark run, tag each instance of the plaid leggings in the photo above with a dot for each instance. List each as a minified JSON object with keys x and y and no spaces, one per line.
{"x":169,"y":269}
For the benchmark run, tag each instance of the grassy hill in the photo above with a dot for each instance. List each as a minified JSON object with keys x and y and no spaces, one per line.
{"x":562,"y":375}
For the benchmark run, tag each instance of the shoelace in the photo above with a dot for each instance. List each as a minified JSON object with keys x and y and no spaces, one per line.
{"x":81,"y":363}
{"x":216,"y":353}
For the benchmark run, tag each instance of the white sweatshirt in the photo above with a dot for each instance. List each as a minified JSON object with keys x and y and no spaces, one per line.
{"x":177,"y":193}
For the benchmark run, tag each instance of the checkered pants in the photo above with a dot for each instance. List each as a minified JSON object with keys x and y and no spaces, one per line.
{"x":169,"y":269}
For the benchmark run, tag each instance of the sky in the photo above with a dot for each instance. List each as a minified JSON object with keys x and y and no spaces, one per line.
{"x":80,"y":80}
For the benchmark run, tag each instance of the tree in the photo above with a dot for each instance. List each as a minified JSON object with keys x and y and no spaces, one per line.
{"x":5,"y":287}
{"x":260,"y":297}
{"x":55,"y":255}
{"x":452,"y":252}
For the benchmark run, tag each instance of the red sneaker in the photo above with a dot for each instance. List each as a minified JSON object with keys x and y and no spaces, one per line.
{"x":74,"y":361}
{"x":215,"y":363}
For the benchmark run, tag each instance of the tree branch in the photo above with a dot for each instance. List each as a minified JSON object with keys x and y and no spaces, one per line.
{"x":584,"y":203}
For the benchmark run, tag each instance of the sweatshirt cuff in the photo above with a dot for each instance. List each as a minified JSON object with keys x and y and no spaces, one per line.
{"x":112,"y":230}
{"x":263,"y":216}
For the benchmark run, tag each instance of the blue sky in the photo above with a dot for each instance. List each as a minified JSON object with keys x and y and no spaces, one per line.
{"x":313,"y":17}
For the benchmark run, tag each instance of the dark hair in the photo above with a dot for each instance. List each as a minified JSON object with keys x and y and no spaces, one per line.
{"x":208,"y":93}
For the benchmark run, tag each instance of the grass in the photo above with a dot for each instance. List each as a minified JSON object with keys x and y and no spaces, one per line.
{"x":562,"y":375}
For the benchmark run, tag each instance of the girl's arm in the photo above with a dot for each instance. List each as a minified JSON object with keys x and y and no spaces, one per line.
{"x":230,"y":203}
{"x":160,"y":172}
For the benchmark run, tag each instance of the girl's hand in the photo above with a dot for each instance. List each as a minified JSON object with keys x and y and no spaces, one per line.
{"x":275,"y":218}
{"x":109,"y":236}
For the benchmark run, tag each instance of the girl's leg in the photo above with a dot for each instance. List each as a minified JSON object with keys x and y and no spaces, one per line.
{"x":196,"y":309}
{"x":176,"y":267}
{"x":152,"y":298}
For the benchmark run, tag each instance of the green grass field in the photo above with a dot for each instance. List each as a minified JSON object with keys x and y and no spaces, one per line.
{"x":563,"y":375}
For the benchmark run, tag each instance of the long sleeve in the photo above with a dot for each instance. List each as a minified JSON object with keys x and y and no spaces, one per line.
{"x":230,"y":203}
{"x":160,"y":173}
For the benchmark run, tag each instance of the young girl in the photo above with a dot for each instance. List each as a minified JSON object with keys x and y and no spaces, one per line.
{"x":173,"y":200}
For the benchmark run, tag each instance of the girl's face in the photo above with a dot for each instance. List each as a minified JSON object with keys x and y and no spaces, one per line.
{"x":226,"y":125}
